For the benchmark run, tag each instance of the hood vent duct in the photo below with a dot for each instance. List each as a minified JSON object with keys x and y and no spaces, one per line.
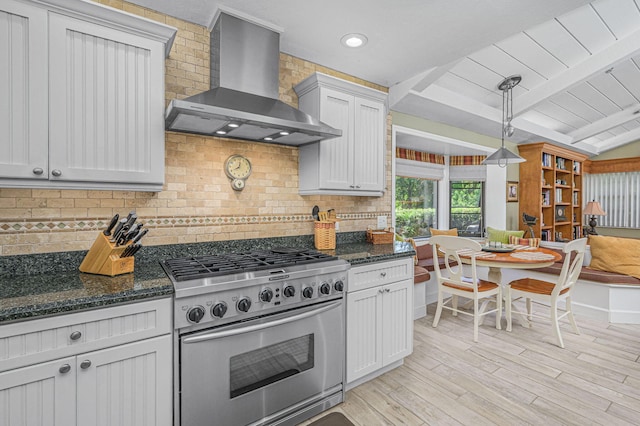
{"x":243,"y":100}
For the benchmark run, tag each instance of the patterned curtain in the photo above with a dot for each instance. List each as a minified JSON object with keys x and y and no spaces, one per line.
{"x":466,"y":160}
{"x":425,"y":157}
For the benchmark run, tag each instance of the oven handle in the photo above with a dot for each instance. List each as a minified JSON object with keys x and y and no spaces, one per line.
{"x":250,"y":328}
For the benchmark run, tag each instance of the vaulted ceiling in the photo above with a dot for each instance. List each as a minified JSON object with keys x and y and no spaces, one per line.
{"x":443,"y":60}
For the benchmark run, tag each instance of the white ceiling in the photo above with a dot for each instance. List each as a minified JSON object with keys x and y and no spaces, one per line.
{"x":443,"y":59}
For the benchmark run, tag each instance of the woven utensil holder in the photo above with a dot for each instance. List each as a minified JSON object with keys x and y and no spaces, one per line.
{"x":325,"y":235}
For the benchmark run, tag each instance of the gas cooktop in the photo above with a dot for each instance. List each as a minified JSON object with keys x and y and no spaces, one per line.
{"x":216,"y":265}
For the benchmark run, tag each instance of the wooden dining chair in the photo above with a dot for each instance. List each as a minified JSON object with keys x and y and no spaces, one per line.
{"x":452,"y":281}
{"x":548,"y":292}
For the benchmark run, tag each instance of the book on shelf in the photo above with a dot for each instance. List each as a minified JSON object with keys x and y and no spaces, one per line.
{"x":560,"y":163}
{"x":546,"y":160}
{"x":576,"y":167}
{"x":558,"y":195}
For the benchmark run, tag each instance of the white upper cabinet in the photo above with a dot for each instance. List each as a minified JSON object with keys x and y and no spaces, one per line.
{"x":352,"y":164}
{"x":87,"y":104}
{"x":23,"y":84}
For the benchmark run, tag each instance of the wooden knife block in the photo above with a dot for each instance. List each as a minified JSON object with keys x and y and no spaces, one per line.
{"x":104,"y":258}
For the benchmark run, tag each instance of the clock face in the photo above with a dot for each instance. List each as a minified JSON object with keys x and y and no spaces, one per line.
{"x":237,"y":167}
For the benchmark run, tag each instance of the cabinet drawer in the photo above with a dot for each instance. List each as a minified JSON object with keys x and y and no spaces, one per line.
{"x":375,"y":274}
{"x":41,"y":340}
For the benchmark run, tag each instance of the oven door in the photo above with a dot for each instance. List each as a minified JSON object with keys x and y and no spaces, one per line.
{"x":245,"y":372}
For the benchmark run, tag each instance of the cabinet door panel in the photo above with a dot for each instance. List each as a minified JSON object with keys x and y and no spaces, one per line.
{"x":23,"y":84}
{"x":369,"y":146}
{"x":105,"y":107}
{"x":364,"y":322}
{"x":39,"y":395}
{"x":126,"y":385}
{"x":397,"y":322}
{"x":336,"y":154}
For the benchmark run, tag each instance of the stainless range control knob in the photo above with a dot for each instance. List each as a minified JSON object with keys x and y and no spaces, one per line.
{"x":244,"y":304}
{"x":266,"y":295}
{"x":195,"y":314}
{"x":307,"y":292}
{"x":325,"y":288}
{"x":219,"y":309}
{"x":289,"y":291}
{"x":339,"y":285}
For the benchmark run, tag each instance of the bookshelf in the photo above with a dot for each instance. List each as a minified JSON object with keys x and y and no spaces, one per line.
{"x":551,"y":190}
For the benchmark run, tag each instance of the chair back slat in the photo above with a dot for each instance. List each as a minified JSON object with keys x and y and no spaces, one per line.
{"x":572,"y":266}
{"x":449,"y":248}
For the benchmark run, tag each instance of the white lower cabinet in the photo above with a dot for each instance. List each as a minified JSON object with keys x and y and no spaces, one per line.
{"x":379,"y":317}
{"x":126,"y":384}
{"x":39,"y":394}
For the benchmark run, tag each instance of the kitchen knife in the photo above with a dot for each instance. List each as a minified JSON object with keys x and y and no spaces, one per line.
{"x":136,"y":248}
{"x":121,"y":236}
{"x":115,"y":236}
{"x":140,"y":235}
{"x":131,"y":219}
{"x":114,"y":220}
{"x":133,"y":231}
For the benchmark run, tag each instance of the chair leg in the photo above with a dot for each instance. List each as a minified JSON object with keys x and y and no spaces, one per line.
{"x":555,"y":324}
{"x":508,"y":307}
{"x":529,"y":308}
{"x":572,"y":320}
{"x":454,"y":305}
{"x":483,"y":308}
{"x":499,"y":311}
{"x":436,"y":318}
{"x":476,"y":319}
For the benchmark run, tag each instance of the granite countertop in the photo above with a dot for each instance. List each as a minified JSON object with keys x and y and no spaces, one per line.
{"x":33,"y":286}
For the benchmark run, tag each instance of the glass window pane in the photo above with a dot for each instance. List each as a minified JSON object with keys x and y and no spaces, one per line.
{"x":466,"y":212}
{"x":416,"y":206}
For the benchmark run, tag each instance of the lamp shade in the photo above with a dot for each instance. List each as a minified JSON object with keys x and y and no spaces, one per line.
{"x":502,"y":157}
{"x":593,"y":208}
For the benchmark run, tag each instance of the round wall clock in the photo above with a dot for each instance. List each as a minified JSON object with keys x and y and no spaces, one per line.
{"x":238,"y":169}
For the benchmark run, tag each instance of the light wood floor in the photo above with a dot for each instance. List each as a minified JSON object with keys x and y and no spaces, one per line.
{"x":514,"y":378}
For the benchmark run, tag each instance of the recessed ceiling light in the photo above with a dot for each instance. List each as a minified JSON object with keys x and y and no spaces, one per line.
{"x":221,"y":132}
{"x":233,"y":125}
{"x":354,"y":40}
{"x":268,"y":139}
{"x":284,"y":133}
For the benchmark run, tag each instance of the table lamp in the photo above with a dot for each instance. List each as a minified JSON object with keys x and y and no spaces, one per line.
{"x":594,"y":209}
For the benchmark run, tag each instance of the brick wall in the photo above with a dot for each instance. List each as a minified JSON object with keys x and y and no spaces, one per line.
{"x":197,"y":202}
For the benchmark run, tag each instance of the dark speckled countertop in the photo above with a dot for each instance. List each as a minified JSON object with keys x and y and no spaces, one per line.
{"x":33,"y":286}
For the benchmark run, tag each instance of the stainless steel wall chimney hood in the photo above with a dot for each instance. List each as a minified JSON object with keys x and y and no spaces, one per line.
{"x":243,"y":101}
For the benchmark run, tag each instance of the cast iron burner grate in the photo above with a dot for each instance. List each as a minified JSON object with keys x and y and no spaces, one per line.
{"x":188,"y":268}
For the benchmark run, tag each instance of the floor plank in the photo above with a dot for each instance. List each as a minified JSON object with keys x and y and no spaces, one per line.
{"x":520,"y":377}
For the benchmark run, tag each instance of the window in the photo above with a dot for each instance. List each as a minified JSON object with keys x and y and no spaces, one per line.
{"x":467,"y":211}
{"x":416,"y":206}
{"x":619,"y":196}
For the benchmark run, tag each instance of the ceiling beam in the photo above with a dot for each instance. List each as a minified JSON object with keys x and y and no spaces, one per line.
{"x":595,"y":64}
{"x":606,"y":123}
{"x":418,"y":82}
{"x":616,"y":141}
{"x":452,"y":99}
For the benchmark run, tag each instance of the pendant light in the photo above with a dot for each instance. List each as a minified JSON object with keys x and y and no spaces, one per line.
{"x":503,"y":156}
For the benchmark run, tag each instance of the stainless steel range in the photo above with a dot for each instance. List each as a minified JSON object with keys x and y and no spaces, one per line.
{"x":259,"y":336}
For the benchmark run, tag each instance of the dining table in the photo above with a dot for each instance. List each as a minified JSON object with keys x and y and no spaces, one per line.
{"x":511,"y":256}
{"x":514,"y":257}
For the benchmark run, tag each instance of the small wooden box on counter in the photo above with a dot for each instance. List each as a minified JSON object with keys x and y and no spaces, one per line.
{"x":104,"y":258}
